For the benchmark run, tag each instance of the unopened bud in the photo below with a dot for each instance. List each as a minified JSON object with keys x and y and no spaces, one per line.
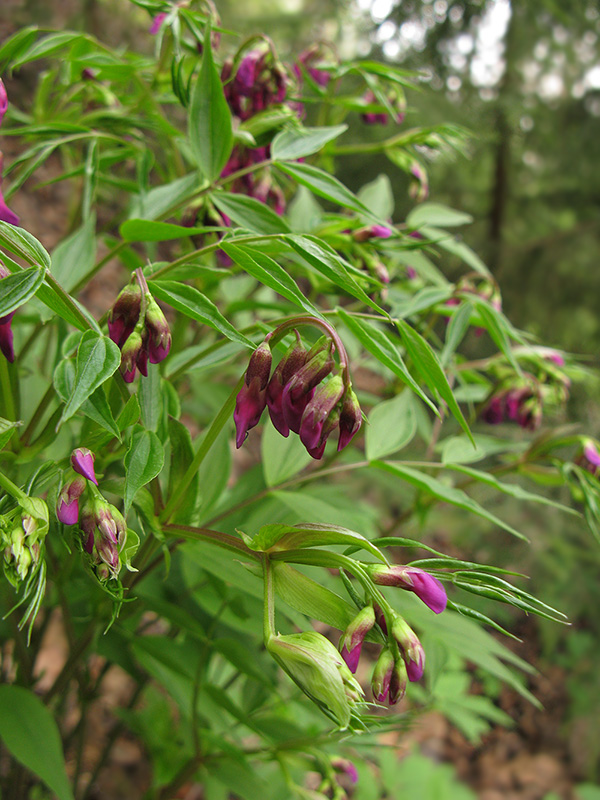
{"x":322,"y":403}
{"x":130,"y":353}
{"x":3,"y":101}
{"x":124,"y":315}
{"x":382,"y":675}
{"x":293,"y":359}
{"x":354,"y":636}
{"x":159,"y":335}
{"x":411,"y":648}
{"x":425,"y":586}
{"x":398,"y":682}
{"x":350,"y":418}
{"x":67,"y":506}
{"x":82,"y":461}
{"x":297,"y":393}
{"x":252,"y":398}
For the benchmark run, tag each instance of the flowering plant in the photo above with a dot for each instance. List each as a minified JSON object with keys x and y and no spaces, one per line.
{"x":247,"y":278}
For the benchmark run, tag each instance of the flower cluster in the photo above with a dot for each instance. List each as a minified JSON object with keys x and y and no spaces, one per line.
{"x":302,"y":394}
{"x":403,"y":657}
{"x":311,"y":62}
{"x":520,"y":403}
{"x":104,"y":531}
{"x":396,"y":100}
{"x":255,"y":83}
{"x":22,"y":534}
{"x":139,"y":327}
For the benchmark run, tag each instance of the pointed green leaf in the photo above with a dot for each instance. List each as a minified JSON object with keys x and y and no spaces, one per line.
{"x":278,"y":538}
{"x":145,"y":230}
{"x":324,"y":185}
{"x":194,"y":304}
{"x":16,"y":289}
{"x":74,"y":257}
{"x":300,"y":142}
{"x":97,"y":359}
{"x":437,"y":214}
{"x":22,"y":243}
{"x":309,"y":597}
{"x":250,"y":213}
{"x":31,"y":735}
{"x":427,"y":364}
{"x":209,"y":121}
{"x":7,"y":428}
{"x":143,"y":462}
{"x":95,"y":407}
{"x":392,"y":425}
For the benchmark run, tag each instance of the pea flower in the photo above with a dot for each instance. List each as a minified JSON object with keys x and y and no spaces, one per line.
{"x":252,"y":398}
{"x":411,"y":649}
{"x":67,"y":505}
{"x":382,"y":675}
{"x":425,"y":586}
{"x":354,"y":636}
{"x":105,"y":533}
{"x":82,"y":461}
{"x":3,"y":100}
{"x":6,"y":334}
{"x":6,"y":215}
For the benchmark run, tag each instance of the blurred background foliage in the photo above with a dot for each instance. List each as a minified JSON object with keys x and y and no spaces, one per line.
{"x":523,"y":76}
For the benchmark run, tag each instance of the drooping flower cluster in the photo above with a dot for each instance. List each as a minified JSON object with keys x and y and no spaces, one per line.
{"x":139,"y":327}
{"x":104,"y":531}
{"x":312,"y":62}
{"x":396,"y":100}
{"x":302,"y":395}
{"x":403,"y":657}
{"x":254,"y":81}
{"x":521,"y":403}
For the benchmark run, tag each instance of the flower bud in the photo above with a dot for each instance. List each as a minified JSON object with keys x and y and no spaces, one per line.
{"x":159,"y":335}
{"x":398,"y":682}
{"x":105,"y":532}
{"x":157,"y":23}
{"x":3,"y":101}
{"x":82,"y":461}
{"x":293,"y":359}
{"x":345,"y":766}
{"x":130,"y":353}
{"x":425,"y":586}
{"x":6,"y":215}
{"x":6,"y":334}
{"x":372,"y":232}
{"x":411,"y":648}
{"x":314,"y":664}
{"x":326,"y":397}
{"x":350,"y":418}
{"x":252,"y":398}
{"x":67,"y":506}
{"x":354,"y":635}
{"x":124,"y":315}
{"x":297,"y":393}
{"x":382,"y":675}
{"x":590,"y":457}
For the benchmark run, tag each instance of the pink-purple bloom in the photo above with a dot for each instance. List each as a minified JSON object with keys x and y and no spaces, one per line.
{"x":350,"y":419}
{"x":6,"y":334}
{"x":425,"y":586}
{"x":346,"y":766}
{"x":382,"y":675}
{"x":354,"y":636}
{"x":157,"y":22}
{"x":67,"y":505}
{"x":411,"y":649}
{"x":6,"y":215}
{"x":252,"y":398}
{"x":3,"y":100}
{"x":82,"y":461}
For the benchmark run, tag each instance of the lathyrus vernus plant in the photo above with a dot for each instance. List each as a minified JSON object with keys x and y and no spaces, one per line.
{"x":265,"y":302}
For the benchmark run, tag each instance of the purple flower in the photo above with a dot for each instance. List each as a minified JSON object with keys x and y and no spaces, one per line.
{"x":590,"y":457}
{"x":346,"y":766}
{"x":82,"y":461}
{"x":350,"y":419}
{"x":3,"y":101}
{"x":105,"y":531}
{"x":67,"y":506}
{"x":159,"y":335}
{"x":372,"y":117}
{"x":398,"y":682}
{"x":411,"y":649}
{"x":6,"y":215}
{"x":124,"y":315}
{"x":425,"y":586}
{"x":354,"y":636}
{"x":6,"y":338}
{"x":293,"y":359}
{"x":157,"y":22}
{"x":298,"y":392}
{"x":315,"y":415}
{"x":308,"y":61}
{"x":252,"y":398}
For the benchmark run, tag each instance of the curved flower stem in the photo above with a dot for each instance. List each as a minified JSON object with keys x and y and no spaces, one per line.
{"x":329,"y":330}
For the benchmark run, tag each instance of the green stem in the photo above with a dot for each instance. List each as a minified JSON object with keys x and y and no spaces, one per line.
{"x":224,"y":540}
{"x":269,"y":605}
{"x":68,"y":300}
{"x":215,"y":429}
{"x":7,"y":392}
{"x":10,"y":488}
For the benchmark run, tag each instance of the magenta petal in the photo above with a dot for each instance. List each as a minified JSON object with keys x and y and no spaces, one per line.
{"x":82,"y":461}
{"x":414,"y":671}
{"x":68,"y":513}
{"x":352,"y":657}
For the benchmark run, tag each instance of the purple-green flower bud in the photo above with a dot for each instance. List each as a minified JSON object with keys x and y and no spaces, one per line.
{"x":354,"y":636}
{"x":6,"y":215}
{"x":411,"y":648}
{"x":324,"y":400}
{"x":372,"y":232}
{"x":3,"y":101}
{"x":6,"y":334}
{"x":159,"y":335}
{"x":293,"y":359}
{"x":398,"y":682}
{"x":130,"y":353}
{"x":314,"y":664}
{"x":347,"y":767}
{"x":350,"y":418}
{"x":425,"y":586}
{"x":382,"y":675}
{"x":82,"y":461}
{"x":67,"y":505}
{"x":252,"y":398}
{"x":297,"y":392}
{"x":124,"y":315}
{"x":590,"y":456}
{"x":104,"y":534}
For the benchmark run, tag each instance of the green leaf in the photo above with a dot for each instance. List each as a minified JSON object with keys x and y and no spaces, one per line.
{"x":300,"y":142}
{"x":282,"y":458}
{"x":441,"y":491}
{"x":269,"y":273}
{"x":451,"y":244}
{"x":426,"y":362}
{"x":16,"y":289}
{"x":377,"y":343}
{"x":97,"y":359}
{"x":7,"y":428}
{"x":143,"y":462}
{"x":144,"y":230}
{"x":277,"y":538}
{"x":46,"y":47}
{"x":378,"y":195}
{"x":459,"y":449}
{"x":250,"y":213}
{"x":21,"y":243}
{"x":209,"y":119}
{"x":324,"y":259}
{"x":324,"y":185}
{"x":15,"y":44}
{"x":436,"y":214}
{"x":182,"y":455}
{"x":30,"y":733}
{"x":311,"y":598}
{"x":457,"y":327}
{"x":75,"y":256}
{"x":214,"y":472}
{"x":194,"y":304}
{"x":95,"y":407}
{"x":498,"y":328}
{"x":158,"y":201}
{"x":392,"y":425}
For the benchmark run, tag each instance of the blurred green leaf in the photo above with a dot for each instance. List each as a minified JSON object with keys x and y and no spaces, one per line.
{"x":392,"y":425}
{"x":250,"y":213}
{"x":143,"y":462}
{"x":18,"y":288}
{"x":301,"y":142}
